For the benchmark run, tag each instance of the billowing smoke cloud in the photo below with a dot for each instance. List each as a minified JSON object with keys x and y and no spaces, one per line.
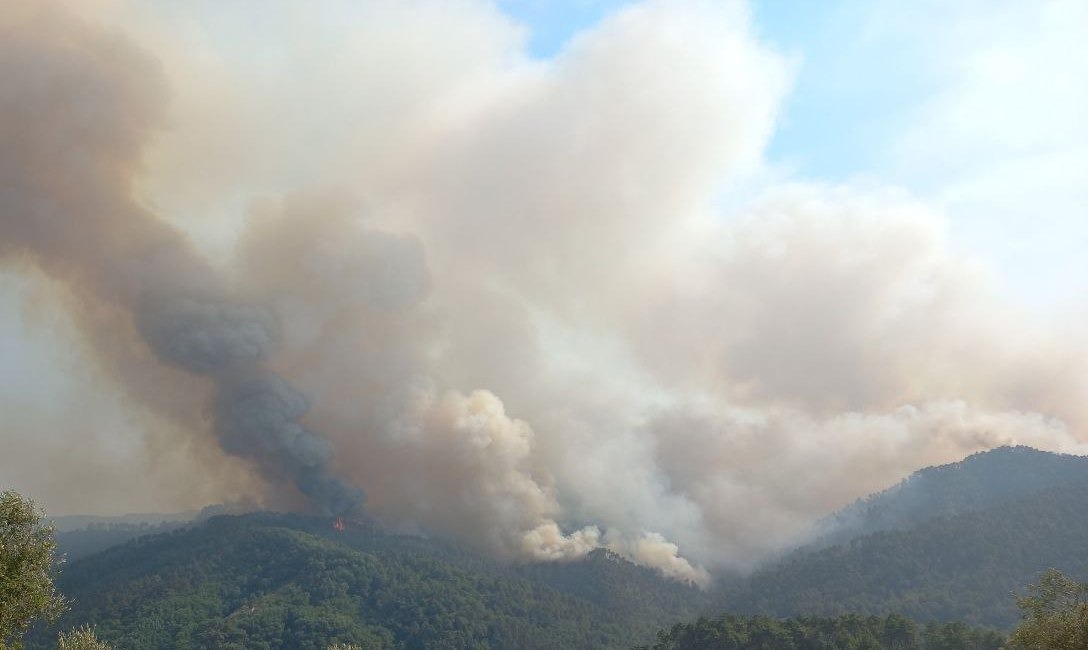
{"x":509,"y":288}
{"x":75,"y":112}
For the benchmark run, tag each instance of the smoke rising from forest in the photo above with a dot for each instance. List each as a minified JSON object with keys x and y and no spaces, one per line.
{"x":503,"y":297}
{"x":76,"y":106}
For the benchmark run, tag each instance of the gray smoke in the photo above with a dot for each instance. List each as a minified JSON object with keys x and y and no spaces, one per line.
{"x":257,"y":416}
{"x":74,"y":110}
{"x":204,"y":336}
{"x":538,"y":305}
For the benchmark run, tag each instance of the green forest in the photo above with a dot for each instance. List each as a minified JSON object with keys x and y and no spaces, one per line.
{"x":1002,"y":519}
{"x":983,"y":568}
{"x":284,"y":581}
{"x":948,"y":568}
{"x":850,"y":631}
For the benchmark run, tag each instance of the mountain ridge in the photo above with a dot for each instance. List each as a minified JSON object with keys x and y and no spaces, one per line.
{"x":270,"y":580}
{"x":959,"y":561}
{"x":965,"y":536}
{"x":978,"y":481}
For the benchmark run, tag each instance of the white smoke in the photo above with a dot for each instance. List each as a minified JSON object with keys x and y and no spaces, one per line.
{"x":508,"y":293}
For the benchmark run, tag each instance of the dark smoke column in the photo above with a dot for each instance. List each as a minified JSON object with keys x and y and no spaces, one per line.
{"x":256,"y":413}
{"x":76,"y":108}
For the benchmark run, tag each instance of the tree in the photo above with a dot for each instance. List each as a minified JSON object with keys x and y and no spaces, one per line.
{"x":82,"y":638}
{"x":27,"y":553}
{"x":900,"y":632}
{"x":1054,"y":615}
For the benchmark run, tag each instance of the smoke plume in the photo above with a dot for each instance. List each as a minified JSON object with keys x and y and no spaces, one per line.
{"x":532,"y":305}
{"x":76,"y":112}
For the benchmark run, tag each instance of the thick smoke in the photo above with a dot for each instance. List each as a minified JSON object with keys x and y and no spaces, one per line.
{"x":75,"y":112}
{"x":533,"y":304}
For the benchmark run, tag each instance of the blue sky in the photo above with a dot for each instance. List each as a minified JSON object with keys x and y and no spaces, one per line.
{"x":841,"y":98}
{"x":883,"y":93}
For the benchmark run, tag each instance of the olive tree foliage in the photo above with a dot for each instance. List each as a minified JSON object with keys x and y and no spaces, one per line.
{"x":1054,"y":615}
{"x":27,"y":554}
{"x":82,"y":638}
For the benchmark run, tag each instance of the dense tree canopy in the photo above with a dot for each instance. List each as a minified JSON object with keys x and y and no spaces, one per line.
{"x":287,"y":581}
{"x":960,"y":567}
{"x":27,"y":554}
{"x":978,"y":482}
{"x":850,"y":632}
{"x":283,"y":581}
{"x":1055,"y":615}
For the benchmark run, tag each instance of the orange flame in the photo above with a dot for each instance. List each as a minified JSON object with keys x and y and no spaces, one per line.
{"x":339,"y":524}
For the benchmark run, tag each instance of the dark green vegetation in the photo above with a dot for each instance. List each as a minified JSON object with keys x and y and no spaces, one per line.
{"x":976,"y":483}
{"x":283,"y":581}
{"x":1055,"y":617}
{"x":961,"y":565}
{"x":74,"y":544}
{"x":82,"y":535}
{"x":280,"y":581}
{"x":810,"y":633}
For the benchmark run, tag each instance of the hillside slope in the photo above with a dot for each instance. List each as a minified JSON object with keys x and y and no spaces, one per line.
{"x":892,"y":632}
{"x":961,"y":567}
{"x":978,"y":482}
{"x":950,"y":544}
{"x":279,"y":581}
{"x":96,"y":537}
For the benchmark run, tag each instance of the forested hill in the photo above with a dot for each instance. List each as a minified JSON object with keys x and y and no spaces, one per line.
{"x":98,"y":536}
{"x":950,"y":544}
{"x":976,"y":483}
{"x":963,"y":567}
{"x":891,"y":632}
{"x":281,"y":581}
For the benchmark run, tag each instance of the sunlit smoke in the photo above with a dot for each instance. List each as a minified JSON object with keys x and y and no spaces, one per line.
{"x":532,"y":305}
